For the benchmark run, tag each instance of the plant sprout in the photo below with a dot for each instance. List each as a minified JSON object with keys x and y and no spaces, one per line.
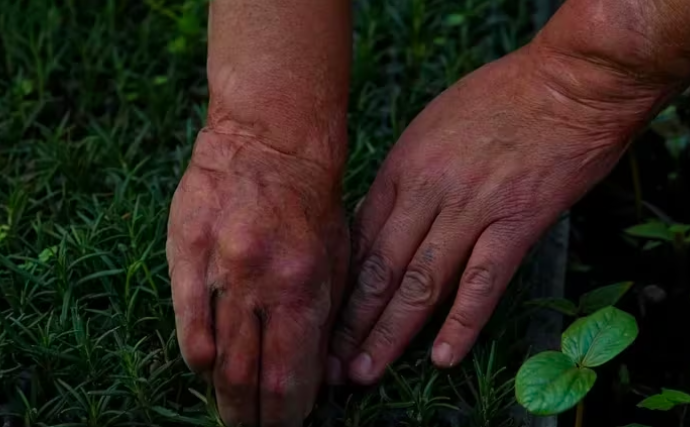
{"x":589,"y":303}
{"x":552,"y":382}
{"x":657,"y":232}
{"x":666,"y":400}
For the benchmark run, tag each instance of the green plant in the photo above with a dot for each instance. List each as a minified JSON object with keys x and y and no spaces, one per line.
{"x":589,"y":303}
{"x":657,"y":232}
{"x":665,"y":400}
{"x":552,"y":382}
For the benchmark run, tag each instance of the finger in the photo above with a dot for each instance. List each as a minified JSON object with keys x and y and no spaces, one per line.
{"x":192,"y":306}
{"x":291,"y":365}
{"x":371,"y":213}
{"x":493,"y":262}
{"x":380,"y":274}
{"x":236,"y":373}
{"x":427,"y":281}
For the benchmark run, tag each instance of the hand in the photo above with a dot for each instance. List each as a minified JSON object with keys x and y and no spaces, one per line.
{"x":469,"y":187}
{"x":258,"y":249}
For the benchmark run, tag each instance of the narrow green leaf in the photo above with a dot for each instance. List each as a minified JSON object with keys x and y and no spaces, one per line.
{"x":165,"y":412}
{"x":651,"y":244}
{"x":550,"y":383}
{"x":603,"y":297}
{"x":560,"y":305}
{"x":175,"y":416}
{"x":99,"y":275}
{"x":594,"y":340}
{"x":654,"y":229}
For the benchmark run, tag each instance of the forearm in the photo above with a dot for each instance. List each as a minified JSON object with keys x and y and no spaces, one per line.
{"x":278,"y":72}
{"x":634,"y":52}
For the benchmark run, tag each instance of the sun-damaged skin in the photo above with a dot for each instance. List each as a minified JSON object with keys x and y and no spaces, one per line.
{"x":480,"y":174}
{"x":258,"y":245}
{"x":257,"y":241}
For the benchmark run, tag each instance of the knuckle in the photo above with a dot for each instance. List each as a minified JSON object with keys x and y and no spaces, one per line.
{"x":375,"y":277}
{"x":193,"y":235}
{"x":418,"y":288}
{"x":460,"y":319}
{"x":245,"y":248}
{"x":383,"y":334}
{"x":297,"y":269}
{"x":479,"y":282}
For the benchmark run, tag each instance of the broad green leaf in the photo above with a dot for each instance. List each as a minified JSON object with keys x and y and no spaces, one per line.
{"x":550,"y":383}
{"x":666,"y":400}
{"x":561,"y":305}
{"x":675,"y":395}
{"x":603,"y":297}
{"x":47,"y":253}
{"x":594,"y":340}
{"x":679,"y":228}
{"x":651,"y":230}
{"x":657,"y":402}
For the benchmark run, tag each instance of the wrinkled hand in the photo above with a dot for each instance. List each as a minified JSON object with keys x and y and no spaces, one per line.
{"x":258,"y":248}
{"x":469,"y":187}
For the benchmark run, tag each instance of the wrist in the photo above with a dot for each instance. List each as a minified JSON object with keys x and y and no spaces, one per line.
{"x":231,"y":150}
{"x":265,"y":114}
{"x":601,"y":94}
{"x":645,"y":41}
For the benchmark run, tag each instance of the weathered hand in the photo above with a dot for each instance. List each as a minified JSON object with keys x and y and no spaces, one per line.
{"x":469,"y":187}
{"x":258,"y":248}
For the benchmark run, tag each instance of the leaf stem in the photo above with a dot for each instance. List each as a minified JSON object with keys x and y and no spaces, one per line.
{"x":580,"y":413}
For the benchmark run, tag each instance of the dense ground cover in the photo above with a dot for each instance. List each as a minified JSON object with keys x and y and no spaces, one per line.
{"x":100,"y":103}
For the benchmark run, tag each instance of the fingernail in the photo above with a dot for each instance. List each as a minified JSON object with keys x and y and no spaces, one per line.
{"x":442,"y":355}
{"x":334,"y":370}
{"x":361,"y":366}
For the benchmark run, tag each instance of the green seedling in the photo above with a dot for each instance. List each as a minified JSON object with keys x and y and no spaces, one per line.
{"x":589,"y":303}
{"x":666,"y":400}
{"x":657,"y":232}
{"x":552,"y":382}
